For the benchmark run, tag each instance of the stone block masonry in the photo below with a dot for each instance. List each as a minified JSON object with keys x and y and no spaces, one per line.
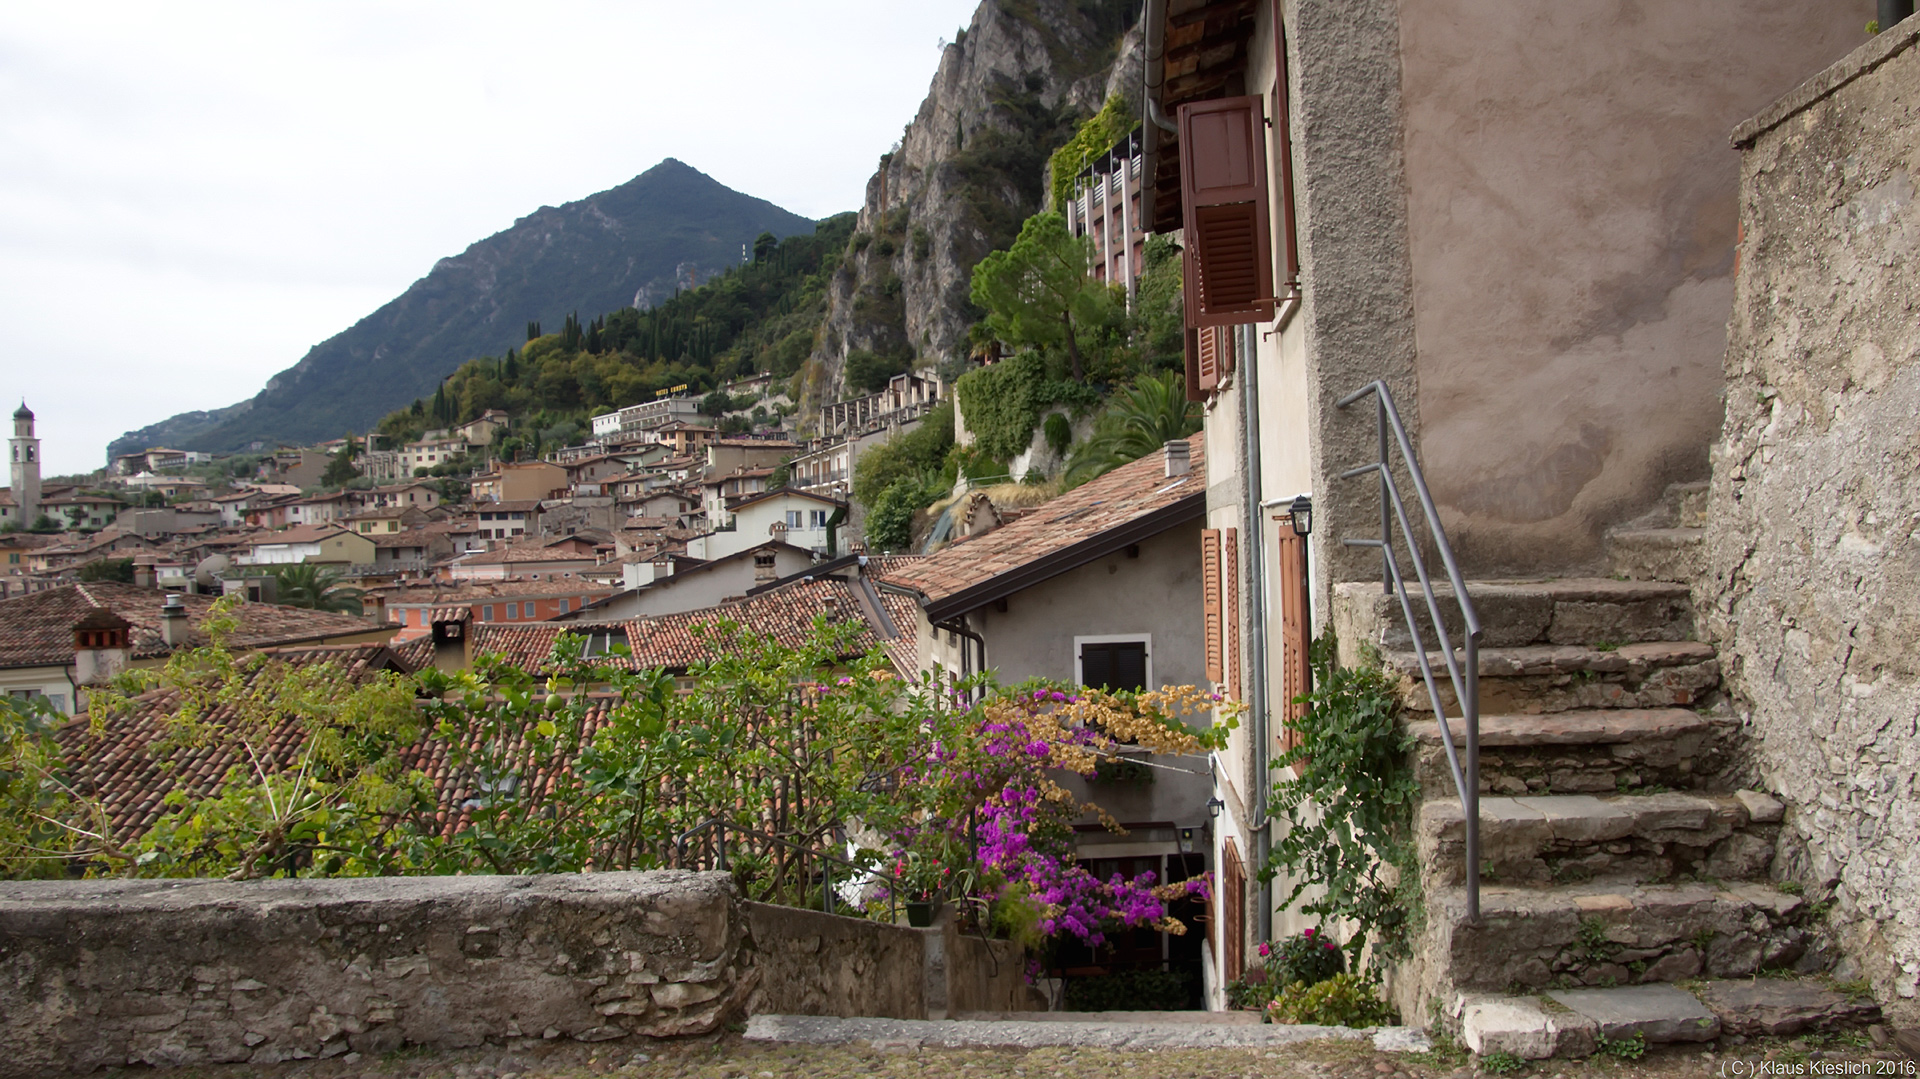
{"x":1812,"y":586}
{"x":109,"y":973}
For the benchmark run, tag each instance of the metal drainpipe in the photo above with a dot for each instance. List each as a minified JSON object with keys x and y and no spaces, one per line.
{"x":1257,"y":611}
{"x":1153,"y":71}
{"x":1892,"y":11}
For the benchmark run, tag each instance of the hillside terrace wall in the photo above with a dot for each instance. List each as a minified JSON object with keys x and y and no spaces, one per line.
{"x":165,"y":972}
{"x":1812,"y":588}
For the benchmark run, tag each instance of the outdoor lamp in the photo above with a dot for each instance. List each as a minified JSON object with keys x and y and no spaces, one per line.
{"x":1214,"y":806}
{"x":1302,"y":511}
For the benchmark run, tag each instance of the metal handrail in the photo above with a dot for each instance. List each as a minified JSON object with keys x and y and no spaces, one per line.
{"x":1464,"y":672}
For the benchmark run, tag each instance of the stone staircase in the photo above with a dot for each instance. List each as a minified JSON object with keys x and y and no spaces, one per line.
{"x":1620,"y":851}
{"x":1665,"y":544}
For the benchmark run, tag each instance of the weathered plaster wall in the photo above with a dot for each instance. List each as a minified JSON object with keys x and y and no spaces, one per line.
{"x":1813,"y":581}
{"x":111,"y":973}
{"x":1356,"y":312}
{"x":1571,"y":218}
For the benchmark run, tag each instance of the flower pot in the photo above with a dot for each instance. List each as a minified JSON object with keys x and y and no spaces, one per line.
{"x":920,"y":914}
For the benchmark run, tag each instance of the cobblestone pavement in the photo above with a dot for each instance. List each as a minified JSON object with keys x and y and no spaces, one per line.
{"x":730,"y":1057}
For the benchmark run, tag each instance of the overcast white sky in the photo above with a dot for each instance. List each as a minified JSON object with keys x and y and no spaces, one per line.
{"x":193,"y":194}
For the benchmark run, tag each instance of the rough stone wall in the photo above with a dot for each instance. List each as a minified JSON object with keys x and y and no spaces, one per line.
{"x":174,"y":972}
{"x":1813,"y":583}
{"x":812,"y":963}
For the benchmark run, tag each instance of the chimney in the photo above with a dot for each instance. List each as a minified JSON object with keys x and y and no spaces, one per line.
{"x":1179,"y":458}
{"x":174,"y":626}
{"x":99,"y":647}
{"x":143,"y":574}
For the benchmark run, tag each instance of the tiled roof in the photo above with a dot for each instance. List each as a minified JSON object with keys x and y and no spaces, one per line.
{"x":116,"y":762}
{"x":1055,"y":530}
{"x":413,"y":537}
{"x":37,"y":630}
{"x":678,"y":641}
{"x":525,"y":505}
{"x":440,"y":593}
{"x":299,"y":534}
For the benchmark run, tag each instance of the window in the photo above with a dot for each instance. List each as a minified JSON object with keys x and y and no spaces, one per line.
{"x":816,"y":519}
{"x":486,"y":613}
{"x":565,"y":606}
{"x":1113,"y":662}
{"x":793,"y":518}
{"x":513,"y":611}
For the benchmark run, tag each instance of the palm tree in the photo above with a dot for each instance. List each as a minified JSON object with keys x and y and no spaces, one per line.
{"x":305,"y":584}
{"x":1138,"y":420}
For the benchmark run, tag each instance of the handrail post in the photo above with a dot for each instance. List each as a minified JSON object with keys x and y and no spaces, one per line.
{"x":1386,"y":511}
{"x":1470,"y":794}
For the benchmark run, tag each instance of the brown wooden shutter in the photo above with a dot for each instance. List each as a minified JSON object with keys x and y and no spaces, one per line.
{"x":1230,"y":587}
{"x":1210,"y":599}
{"x":1283,"y":151}
{"x":1223,"y":191}
{"x":1290,"y":558}
{"x":1233,"y":912}
{"x":1209,"y":359}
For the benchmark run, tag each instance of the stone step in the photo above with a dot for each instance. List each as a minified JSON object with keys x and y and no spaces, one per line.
{"x":1657,"y":554}
{"x":1031,"y":1033}
{"x":1625,"y":838}
{"x":1513,"y":613}
{"x":1557,"y":678}
{"x":1604,"y":935}
{"x":1568,"y":1023}
{"x":1583,"y":751}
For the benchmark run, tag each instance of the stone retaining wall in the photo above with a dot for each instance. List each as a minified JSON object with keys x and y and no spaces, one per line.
{"x":1813,"y":540}
{"x":165,"y":972}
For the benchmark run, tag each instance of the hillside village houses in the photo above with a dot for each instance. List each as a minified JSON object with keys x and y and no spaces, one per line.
{"x":1484,"y":315}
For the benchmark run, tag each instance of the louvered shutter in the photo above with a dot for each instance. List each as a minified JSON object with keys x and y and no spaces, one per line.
{"x":1223,"y":190}
{"x":1096,"y":665}
{"x":1233,"y":912}
{"x":1210,"y":599}
{"x":1230,"y":594}
{"x":1290,"y":557}
{"x":1195,"y":392}
{"x":1129,"y":665}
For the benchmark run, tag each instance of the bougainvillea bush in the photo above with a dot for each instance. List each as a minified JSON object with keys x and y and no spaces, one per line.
{"x":996,"y":812}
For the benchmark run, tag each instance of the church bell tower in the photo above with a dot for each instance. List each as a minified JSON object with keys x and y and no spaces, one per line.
{"x":26,"y":467}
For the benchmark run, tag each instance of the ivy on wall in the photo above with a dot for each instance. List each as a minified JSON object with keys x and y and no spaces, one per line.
{"x":1105,"y":128}
{"x":1002,"y":403}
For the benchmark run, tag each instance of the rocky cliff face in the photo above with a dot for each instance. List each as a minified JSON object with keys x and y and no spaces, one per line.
{"x":968,"y":170}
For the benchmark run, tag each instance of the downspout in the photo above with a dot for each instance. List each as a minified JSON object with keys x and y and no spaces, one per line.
{"x":1153,"y":68}
{"x":1258,"y":724}
{"x":958,"y":625}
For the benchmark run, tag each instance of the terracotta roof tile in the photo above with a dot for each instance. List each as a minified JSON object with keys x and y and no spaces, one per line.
{"x":1126,"y":494}
{"x":37,"y":629}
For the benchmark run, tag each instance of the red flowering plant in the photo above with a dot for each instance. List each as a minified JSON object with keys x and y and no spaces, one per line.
{"x":995,"y":809}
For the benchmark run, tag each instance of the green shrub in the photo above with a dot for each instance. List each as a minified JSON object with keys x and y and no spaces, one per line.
{"x":1131,"y":991}
{"x":1344,"y":1000}
{"x":1059,"y":432}
{"x":1311,"y":957}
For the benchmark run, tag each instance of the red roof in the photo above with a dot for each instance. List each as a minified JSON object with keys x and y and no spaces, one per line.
{"x":36,"y":630}
{"x":1054,"y":536}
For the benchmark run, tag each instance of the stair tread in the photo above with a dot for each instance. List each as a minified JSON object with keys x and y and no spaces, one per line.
{"x":1568,"y":658}
{"x":1588,"y":817}
{"x":1510,"y":901}
{"x":1668,"y":535}
{"x":1578,"y":727}
{"x":1560,"y":589}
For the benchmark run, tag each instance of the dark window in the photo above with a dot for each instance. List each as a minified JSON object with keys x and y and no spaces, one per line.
{"x":1114,"y":664}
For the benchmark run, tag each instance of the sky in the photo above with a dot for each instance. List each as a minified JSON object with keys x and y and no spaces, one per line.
{"x":194,"y":194}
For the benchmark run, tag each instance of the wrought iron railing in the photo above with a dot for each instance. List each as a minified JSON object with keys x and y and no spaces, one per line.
{"x":1463,"y":671}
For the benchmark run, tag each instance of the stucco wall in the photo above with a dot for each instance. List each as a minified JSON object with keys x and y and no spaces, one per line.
{"x":1813,"y":585}
{"x":1570,"y":221}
